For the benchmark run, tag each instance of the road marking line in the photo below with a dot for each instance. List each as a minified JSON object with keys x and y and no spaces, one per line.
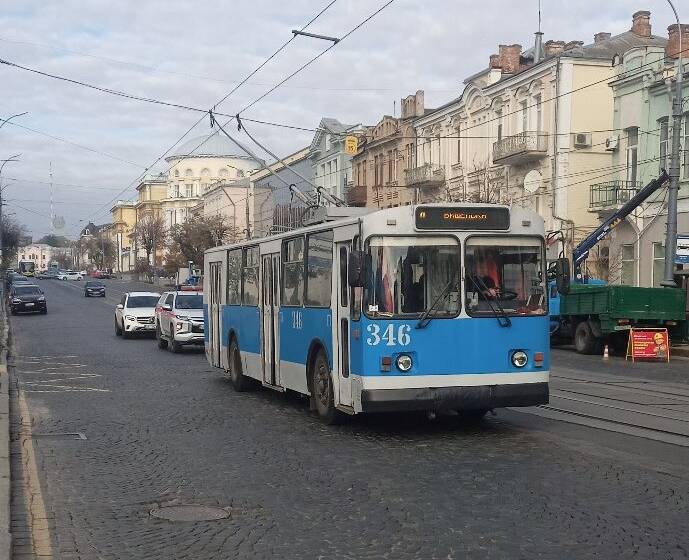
{"x":40,"y":534}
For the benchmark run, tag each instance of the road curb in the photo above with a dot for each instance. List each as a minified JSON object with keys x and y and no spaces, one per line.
{"x":5,"y":535}
{"x":681,"y":351}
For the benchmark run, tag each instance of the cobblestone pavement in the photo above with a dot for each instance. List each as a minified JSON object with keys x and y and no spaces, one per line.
{"x":164,"y":429}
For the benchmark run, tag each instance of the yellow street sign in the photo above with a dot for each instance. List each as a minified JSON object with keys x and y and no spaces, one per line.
{"x":351,"y":145}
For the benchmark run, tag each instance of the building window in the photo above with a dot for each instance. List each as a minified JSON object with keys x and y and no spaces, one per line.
{"x":498,"y":117}
{"x":375,"y":171}
{"x":176,"y":172}
{"x":188,"y":173}
{"x":658,"y":263}
{"x":525,"y":115}
{"x":390,"y":175}
{"x":459,"y":143}
{"x":628,"y":265}
{"x":539,"y":112}
{"x":632,"y":150}
{"x":363,"y":172}
{"x":189,"y":190}
{"x":664,"y":133}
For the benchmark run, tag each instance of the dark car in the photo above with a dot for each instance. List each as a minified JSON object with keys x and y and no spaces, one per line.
{"x":27,"y":298}
{"x":94,"y":288}
{"x":13,"y":278}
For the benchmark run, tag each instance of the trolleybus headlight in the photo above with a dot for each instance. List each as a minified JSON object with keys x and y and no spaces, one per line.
{"x":519,"y":359}
{"x":404,"y":362}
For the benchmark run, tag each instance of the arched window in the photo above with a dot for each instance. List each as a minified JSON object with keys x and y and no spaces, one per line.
{"x":176,"y":172}
{"x":205,"y":171}
{"x":222,"y":172}
{"x":188,"y":173}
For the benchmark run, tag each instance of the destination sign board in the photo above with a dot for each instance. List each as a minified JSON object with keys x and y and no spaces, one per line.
{"x":470,"y":217}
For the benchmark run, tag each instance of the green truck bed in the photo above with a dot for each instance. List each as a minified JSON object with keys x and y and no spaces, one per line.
{"x":641,"y":306}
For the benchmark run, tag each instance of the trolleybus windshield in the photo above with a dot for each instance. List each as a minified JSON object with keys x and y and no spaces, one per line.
{"x":506,"y":273}
{"x":408,"y":274}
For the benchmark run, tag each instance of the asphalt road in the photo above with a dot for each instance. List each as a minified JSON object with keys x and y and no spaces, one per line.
{"x":164,"y":429}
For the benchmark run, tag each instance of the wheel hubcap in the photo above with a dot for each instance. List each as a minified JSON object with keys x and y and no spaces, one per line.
{"x":322,"y":384}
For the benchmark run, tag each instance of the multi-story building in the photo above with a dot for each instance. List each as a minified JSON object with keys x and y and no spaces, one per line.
{"x":38,"y":253}
{"x":151,"y":191}
{"x":385,"y":152}
{"x":641,"y":147}
{"x":530,"y":129}
{"x":195,"y":166}
{"x":332,"y":166}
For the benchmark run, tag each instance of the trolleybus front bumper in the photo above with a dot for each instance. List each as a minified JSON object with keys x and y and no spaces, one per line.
{"x":454,"y":398}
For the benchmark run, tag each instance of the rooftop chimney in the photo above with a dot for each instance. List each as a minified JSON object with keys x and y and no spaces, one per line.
{"x":672,"y":47}
{"x":641,"y":23}
{"x":509,"y":58}
{"x":412,"y":105}
{"x":553,"y":48}
{"x":602,"y":36}
{"x":573,"y":45}
{"x":538,"y":48}
{"x":494,"y":61}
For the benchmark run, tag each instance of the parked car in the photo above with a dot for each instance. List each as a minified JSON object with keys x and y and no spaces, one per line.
{"x":94,"y":288}
{"x":14,"y":278}
{"x":26,"y":297}
{"x":179,"y":319}
{"x":136,"y":313}
{"x":70,"y":275}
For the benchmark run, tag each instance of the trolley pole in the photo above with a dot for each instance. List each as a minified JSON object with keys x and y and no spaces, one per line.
{"x":671,"y":233}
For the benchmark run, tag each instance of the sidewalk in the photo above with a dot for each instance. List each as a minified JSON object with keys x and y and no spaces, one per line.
{"x":5,"y":537}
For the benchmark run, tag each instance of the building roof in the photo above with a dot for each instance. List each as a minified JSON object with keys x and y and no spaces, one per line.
{"x":618,"y":44}
{"x":205,"y":146}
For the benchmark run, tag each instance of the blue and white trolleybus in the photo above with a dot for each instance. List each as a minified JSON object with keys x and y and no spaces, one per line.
{"x":426,"y":307}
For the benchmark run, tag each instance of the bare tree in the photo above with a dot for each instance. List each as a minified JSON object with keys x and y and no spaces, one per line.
{"x":12,"y":234}
{"x":190,"y":239}
{"x":486,"y":184}
{"x":149,"y":234}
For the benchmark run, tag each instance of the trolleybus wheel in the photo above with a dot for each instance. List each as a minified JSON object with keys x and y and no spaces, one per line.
{"x":239,"y":381}
{"x":584,"y":340}
{"x":322,"y":390}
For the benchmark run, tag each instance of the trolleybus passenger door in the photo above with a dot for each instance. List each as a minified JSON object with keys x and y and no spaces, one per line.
{"x":341,"y":326}
{"x":270,"y":317}
{"x":214,"y":312}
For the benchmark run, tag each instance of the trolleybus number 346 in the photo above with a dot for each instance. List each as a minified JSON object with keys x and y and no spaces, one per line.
{"x":375,"y":338}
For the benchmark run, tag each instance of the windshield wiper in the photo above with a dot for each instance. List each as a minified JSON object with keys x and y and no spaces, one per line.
{"x":426,"y":318}
{"x":503,"y":319}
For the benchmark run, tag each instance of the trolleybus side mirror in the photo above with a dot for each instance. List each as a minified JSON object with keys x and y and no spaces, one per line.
{"x":562,"y":275}
{"x":356,"y":269}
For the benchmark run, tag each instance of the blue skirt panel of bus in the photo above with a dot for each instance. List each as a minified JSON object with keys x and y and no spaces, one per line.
{"x":448,"y":346}
{"x":246,"y":323}
{"x":299,"y":327}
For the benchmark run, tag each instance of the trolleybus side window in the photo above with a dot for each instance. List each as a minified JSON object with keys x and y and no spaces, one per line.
{"x":293,"y":272}
{"x":234,"y":273}
{"x":505,"y":274}
{"x":250,"y":277}
{"x":410,"y":275}
{"x":319,"y":267}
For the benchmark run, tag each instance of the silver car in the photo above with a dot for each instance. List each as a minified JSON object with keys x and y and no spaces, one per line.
{"x":179,"y":319}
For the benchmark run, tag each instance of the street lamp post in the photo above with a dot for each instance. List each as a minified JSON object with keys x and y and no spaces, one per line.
{"x":671,"y":233}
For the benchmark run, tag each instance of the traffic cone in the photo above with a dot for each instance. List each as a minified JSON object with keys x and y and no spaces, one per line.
{"x":606,"y":354}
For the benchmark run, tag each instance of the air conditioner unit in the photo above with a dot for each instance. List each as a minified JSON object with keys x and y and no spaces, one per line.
{"x":582,"y":140}
{"x":611,"y":143}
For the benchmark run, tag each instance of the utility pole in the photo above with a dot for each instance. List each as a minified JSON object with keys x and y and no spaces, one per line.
{"x":248,"y":226}
{"x":671,"y":233}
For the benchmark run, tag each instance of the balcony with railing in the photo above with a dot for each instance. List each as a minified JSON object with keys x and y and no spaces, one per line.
{"x":521,"y":147}
{"x":611,"y":194}
{"x":428,"y":175}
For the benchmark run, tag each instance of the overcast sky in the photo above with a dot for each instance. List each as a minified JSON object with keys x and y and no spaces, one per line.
{"x":193,"y":53}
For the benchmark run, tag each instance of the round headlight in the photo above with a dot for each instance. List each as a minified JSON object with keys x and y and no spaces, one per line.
{"x":404,"y":362}
{"x":519,"y":359}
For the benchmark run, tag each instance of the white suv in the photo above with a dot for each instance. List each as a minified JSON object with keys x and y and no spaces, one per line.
{"x":136,"y":313}
{"x":179,"y":319}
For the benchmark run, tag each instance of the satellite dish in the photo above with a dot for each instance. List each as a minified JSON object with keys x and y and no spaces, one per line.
{"x":533,"y":181}
{"x":59,"y":222}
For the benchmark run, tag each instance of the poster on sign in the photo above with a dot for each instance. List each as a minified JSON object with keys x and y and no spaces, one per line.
{"x":648,"y":344}
{"x":682,"y":254}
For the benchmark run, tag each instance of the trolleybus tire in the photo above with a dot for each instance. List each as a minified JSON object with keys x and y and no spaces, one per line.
{"x":322,"y":390}
{"x":162,"y":343}
{"x":584,"y":340}
{"x":239,"y":381}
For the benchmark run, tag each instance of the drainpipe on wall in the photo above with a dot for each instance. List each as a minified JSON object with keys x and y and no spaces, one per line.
{"x":554,"y":179}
